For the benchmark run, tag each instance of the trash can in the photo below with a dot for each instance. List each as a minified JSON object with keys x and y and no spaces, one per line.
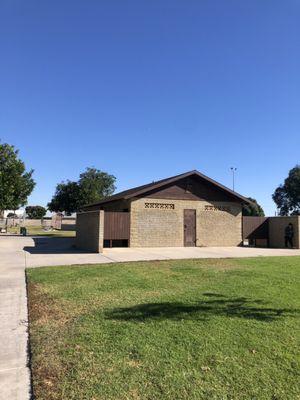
{"x":23,"y":231}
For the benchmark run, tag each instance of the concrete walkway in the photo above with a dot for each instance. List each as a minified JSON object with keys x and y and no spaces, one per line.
{"x":17,"y":253}
{"x":57,"y":251}
{"x":14,"y":372}
{"x":153,"y":253}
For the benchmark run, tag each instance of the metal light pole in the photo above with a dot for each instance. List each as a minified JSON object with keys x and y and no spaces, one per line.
{"x":233,"y":170}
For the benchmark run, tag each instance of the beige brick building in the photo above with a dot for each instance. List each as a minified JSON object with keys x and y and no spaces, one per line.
{"x":186,"y":210}
{"x":216,"y":223}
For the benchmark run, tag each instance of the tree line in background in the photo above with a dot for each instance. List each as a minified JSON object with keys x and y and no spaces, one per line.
{"x":35,"y":212}
{"x":16,"y":184}
{"x":253,"y":209}
{"x":287,"y":195}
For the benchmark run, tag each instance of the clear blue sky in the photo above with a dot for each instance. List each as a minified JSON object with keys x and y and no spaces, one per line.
{"x":148,"y":89}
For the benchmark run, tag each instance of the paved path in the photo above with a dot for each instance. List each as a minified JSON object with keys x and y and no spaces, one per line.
{"x":58,"y":251}
{"x":17,"y":253}
{"x":14,"y":373}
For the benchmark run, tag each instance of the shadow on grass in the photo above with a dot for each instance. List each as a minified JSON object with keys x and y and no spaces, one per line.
{"x":216,"y":305}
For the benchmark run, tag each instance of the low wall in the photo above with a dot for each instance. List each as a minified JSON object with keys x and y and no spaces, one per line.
{"x":277,"y":227}
{"x":31,"y":222}
{"x":89,"y":231}
{"x":68,"y":224}
{"x":19,"y":221}
{"x":68,"y":221}
{"x":255,"y":227}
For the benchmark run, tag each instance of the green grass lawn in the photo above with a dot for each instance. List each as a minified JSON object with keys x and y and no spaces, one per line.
{"x":39,"y":231}
{"x":172,"y":330}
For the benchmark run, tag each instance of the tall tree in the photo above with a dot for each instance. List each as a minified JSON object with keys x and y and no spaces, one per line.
{"x":287,"y":195}
{"x":16,"y":184}
{"x":67,"y":198}
{"x":35,"y":212}
{"x":95,"y":185}
{"x":92,"y":186}
{"x":253,"y":209}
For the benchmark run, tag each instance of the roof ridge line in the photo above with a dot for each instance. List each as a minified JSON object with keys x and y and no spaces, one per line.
{"x":138,"y":190}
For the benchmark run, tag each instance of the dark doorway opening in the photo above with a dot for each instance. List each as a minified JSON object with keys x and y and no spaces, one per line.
{"x":115,"y":243}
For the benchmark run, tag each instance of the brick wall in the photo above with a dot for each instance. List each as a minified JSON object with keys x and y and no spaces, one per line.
{"x":277,"y":226}
{"x":150,"y":227}
{"x":89,"y":231}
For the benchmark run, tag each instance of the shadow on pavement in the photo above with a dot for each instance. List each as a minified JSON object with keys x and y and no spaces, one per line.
{"x":52,"y":245}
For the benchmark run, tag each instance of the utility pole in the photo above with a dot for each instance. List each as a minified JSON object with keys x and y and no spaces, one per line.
{"x":233,"y":170}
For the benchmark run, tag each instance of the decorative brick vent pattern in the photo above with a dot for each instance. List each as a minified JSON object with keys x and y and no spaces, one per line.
{"x":162,"y":206}
{"x":217,"y":208}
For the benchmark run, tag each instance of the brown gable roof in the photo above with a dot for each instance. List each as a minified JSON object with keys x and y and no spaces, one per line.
{"x":139,"y":190}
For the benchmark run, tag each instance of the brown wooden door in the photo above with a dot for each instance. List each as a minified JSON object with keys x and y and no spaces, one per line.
{"x":189,"y":228}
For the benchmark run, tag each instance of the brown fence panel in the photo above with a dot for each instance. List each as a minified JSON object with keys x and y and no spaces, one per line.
{"x":255,"y":228}
{"x":116,"y":225}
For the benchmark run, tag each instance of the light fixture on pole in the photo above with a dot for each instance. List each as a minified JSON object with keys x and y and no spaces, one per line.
{"x":233,"y":170}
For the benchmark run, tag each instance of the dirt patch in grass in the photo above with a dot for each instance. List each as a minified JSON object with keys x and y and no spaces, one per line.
{"x":43,"y":309}
{"x":46,"y":379}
